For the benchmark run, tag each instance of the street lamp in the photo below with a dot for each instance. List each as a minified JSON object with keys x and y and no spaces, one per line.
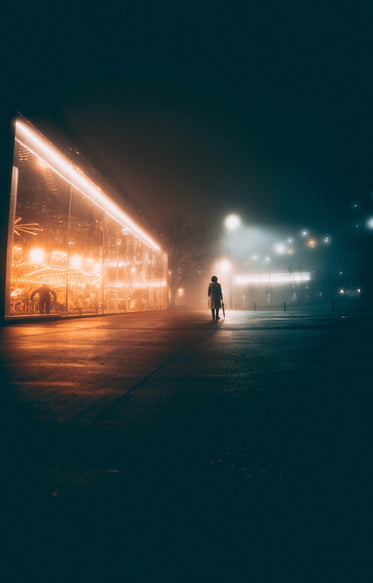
{"x":231,"y":222}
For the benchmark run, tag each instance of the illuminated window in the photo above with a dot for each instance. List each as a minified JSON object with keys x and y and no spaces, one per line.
{"x":67,"y":234}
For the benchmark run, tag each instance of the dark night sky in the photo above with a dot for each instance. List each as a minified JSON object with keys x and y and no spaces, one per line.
{"x":261,"y":108}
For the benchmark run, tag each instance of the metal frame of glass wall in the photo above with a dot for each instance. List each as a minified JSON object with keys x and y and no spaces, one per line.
{"x":71,"y":249}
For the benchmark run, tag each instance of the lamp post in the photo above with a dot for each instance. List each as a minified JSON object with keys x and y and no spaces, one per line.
{"x":232,"y":222}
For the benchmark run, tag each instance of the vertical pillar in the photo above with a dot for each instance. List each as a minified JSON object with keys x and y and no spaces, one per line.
{"x":6,"y":157}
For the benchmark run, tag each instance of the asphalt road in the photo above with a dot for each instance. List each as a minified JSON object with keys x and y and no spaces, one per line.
{"x":170,"y":447}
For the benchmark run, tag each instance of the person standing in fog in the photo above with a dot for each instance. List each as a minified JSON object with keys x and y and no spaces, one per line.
{"x":215,"y":297}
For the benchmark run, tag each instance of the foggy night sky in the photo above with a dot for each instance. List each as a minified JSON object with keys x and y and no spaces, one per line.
{"x":260,"y":108}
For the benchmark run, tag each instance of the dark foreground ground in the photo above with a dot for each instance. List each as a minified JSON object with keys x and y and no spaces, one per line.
{"x":164,"y":446}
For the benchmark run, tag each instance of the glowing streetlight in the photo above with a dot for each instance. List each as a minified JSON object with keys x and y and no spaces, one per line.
{"x":232,"y":222}
{"x":311,"y":243}
{"x":223,"y":266}
{"x":280,"y":248}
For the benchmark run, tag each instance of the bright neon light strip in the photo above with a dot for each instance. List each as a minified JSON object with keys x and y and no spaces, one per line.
{"x":74,"y":176}
{"x":272,"y":278}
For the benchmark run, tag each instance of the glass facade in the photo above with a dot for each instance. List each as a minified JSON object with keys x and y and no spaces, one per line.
{"x":72,"y":250}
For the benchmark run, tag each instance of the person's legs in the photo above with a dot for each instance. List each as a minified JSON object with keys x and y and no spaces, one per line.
{"x":213,"y":313}
{"x":217,"y":314}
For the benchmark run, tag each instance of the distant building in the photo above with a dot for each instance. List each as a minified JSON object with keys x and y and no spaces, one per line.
{"x":67,"y":234}
{"x":270,"y":289}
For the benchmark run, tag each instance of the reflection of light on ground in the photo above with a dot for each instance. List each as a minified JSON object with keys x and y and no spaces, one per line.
{"x":271,"y":278}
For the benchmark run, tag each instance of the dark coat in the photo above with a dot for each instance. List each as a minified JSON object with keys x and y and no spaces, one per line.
{"x":215,"y":295}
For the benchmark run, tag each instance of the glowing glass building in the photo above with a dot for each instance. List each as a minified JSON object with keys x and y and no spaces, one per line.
{"x":71,"y":249}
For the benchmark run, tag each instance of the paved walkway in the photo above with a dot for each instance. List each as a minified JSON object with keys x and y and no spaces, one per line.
{"x":167,"y":445}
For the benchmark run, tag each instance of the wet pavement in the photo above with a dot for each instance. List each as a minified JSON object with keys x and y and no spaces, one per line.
{"x":168,"y":446}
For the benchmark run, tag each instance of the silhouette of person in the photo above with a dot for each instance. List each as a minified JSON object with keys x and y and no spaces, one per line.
{"x":215,"y":297}
{"x":45,"y":294}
